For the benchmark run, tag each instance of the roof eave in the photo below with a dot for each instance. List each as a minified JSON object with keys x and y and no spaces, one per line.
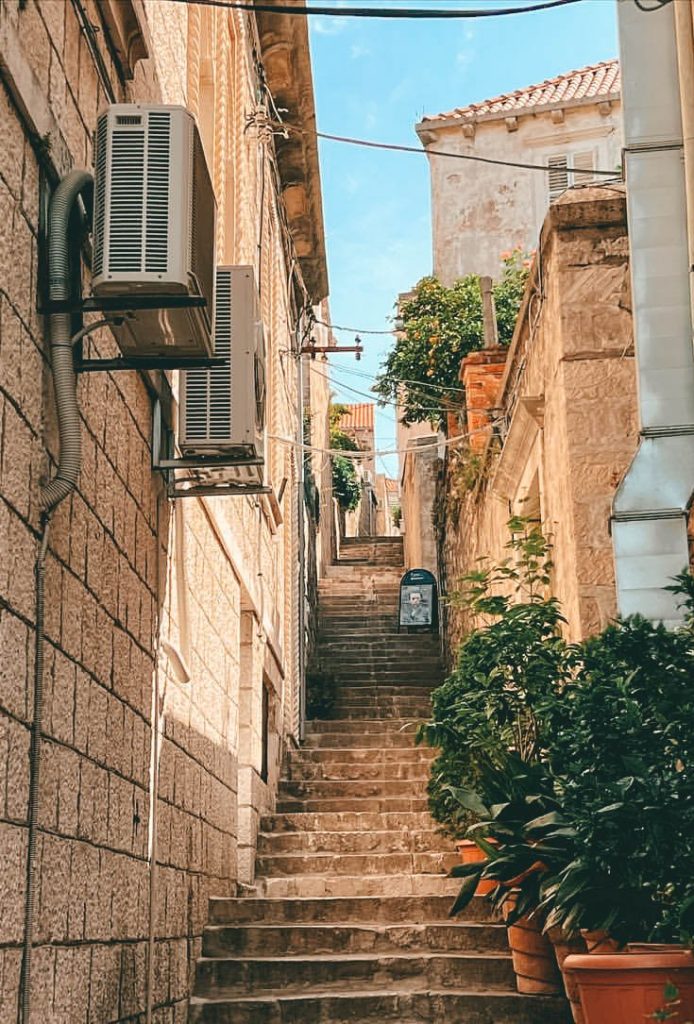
{"x":434,"y":124}
{"x":286,"y":58}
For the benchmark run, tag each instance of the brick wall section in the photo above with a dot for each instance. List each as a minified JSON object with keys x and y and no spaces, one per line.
{"x":481,"y":374}
{"x":569,"y":397}
{"x":122,"y":574}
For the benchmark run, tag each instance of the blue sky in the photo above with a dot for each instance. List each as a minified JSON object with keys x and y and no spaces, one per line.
{"x":374,"y":79}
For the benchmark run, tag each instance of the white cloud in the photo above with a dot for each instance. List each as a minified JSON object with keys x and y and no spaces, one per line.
{"x":357,"y":51}
{"x":326,"y":25}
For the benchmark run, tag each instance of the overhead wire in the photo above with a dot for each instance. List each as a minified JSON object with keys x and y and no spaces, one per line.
{"x":421,"y":151}
{"x":403,"y":13}
{"x":367,"y":453}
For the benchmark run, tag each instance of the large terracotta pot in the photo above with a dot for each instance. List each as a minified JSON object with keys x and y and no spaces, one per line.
{"x":623,"y":988}
{"x":533,"y":958}
{"x":563,"y":948}
{"x":470,"y":853}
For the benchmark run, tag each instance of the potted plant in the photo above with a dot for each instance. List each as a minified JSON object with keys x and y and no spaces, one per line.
{"x":621,"y":751}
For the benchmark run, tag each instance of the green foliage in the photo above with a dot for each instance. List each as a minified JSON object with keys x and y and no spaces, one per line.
{"x":506,"y":670}
{"x":577,"y":759}
{"x":345,"y":481}
{"x":620,"y":744}
{"x":440,"y":327}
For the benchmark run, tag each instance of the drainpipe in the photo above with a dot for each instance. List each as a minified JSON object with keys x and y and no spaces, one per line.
{"x":62,"y":205}
{"x":649,"y":516}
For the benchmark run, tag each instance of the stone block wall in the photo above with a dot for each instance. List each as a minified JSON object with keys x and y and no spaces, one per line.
{"x":144,"y":604}
{"x":568,"y":397}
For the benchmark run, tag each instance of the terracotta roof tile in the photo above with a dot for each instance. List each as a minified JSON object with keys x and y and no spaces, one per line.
{"x":597,"y":80}
{"x":358,"y":417}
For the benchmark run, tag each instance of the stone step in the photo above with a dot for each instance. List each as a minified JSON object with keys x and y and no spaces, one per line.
{"x":383,"y":739}
{"x":396,"y":1007}
{"x":288,"y":865}
{"x":346,"y":821}
{"x":388,"y":841}
{"x":324,"y":805}
{"x":354,"y":710}
{"x":312,"y":789}
{"x":345,"y":725}
{"x":384,"y":694}
{"x":309,"y":886}
{"x":301,"y":939}
{"x":226,"y":976}
{"x":362,"y":909}
{"x":364,"y":755}
{"x":304,"y":771}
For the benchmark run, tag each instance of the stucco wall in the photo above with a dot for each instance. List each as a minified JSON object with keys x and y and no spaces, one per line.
{"x":131,"y":584}
{"x":569,"y":400}
{"x":482,"y":210}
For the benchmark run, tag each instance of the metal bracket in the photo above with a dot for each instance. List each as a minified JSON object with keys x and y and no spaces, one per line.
{"x":164,"y":461}
{"x":122,"y":303}
{"x":148,"y":363}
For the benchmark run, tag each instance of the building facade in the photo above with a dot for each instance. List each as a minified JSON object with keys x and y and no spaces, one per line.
{"x":173,"y":634}
{"x":566,"y":418}
{"x":571,"y":123}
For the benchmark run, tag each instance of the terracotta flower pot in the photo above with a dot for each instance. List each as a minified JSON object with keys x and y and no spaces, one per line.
{"x":533,"y":958}
{"x":622,"y":988}
{"x":564,"y":947}
{"x":599,"y":942}
{"x":470,"y":853}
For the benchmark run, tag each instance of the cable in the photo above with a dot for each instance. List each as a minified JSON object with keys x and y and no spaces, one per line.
{"x":352,"y":330}
{"x":367,"y":453}
{"x":658,"y":5}
{"x":414,"y":13}
{"x":394,"y":147}
{"x":372,"y":397}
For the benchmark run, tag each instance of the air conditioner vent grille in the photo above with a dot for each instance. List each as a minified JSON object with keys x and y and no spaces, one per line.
{"x":100,"y":144}
{"x":127,"y":188}
{"x":128,"y":119}
{"x":208,"y":392}
{"x":158,"y":160}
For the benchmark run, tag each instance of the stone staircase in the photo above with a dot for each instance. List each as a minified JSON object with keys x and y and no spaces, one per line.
{"x":349,"y":921}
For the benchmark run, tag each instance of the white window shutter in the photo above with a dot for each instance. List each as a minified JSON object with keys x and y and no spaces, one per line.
{"x":583,"y":165}
{"x":558,"y":175}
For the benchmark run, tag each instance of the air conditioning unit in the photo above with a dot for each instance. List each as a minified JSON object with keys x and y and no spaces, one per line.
{"x":223,"y":410}
{"x":154,"y":226}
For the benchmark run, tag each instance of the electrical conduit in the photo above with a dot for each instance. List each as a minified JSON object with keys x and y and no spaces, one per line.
{"x":649,"y":517}
{"x":58,"y":489}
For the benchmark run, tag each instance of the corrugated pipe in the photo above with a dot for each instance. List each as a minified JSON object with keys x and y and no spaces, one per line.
{"x":59,"y":287}
{"x":62,"y":204}
{"x":650,"y":511}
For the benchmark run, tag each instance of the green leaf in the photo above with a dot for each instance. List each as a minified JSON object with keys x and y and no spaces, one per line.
{"x":467,"y":891}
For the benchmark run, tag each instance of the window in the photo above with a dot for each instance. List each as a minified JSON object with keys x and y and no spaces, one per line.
{"x":568,"y":169}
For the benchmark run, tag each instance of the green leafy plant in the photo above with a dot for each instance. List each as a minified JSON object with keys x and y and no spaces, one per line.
{"x":345,"y":481}
{"x":440,"y":327}
{"x":620,"y":746}
{"x":506,"y":671}
{"x":613,"y":740}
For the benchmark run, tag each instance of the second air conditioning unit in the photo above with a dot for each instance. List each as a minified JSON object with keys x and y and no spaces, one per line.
{"x":154,"y":227}
{"x":223,"y":410}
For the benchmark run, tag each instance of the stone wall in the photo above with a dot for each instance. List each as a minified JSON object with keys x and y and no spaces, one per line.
{"x":569,"y":416}
{"x":154,"y":615}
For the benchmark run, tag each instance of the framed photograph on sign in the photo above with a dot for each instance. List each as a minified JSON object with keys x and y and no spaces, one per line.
{"x":416,"y":605}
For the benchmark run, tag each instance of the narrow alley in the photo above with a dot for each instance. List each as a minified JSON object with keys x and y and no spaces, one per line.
{"x":348,"y":919}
